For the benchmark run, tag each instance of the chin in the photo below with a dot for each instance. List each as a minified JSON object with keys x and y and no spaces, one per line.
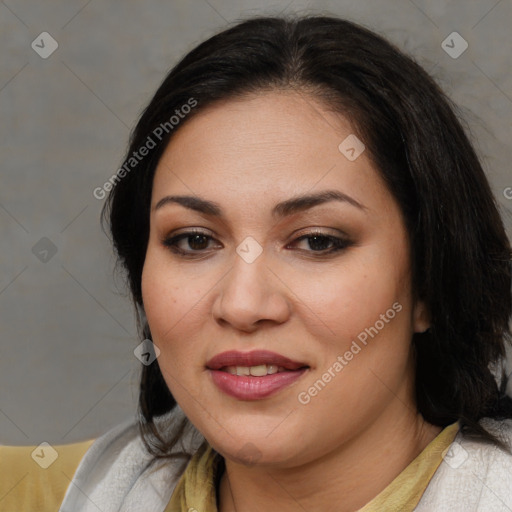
{"x":257,"y":449}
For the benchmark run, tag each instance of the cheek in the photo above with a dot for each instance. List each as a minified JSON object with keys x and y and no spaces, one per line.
{"x":350,"y":296}
{"x":159,"y":296}
{"x":168,"y":302}
{"x":366,"y":353}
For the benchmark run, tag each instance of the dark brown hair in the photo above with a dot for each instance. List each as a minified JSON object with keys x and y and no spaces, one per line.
{"x":460,"y":251}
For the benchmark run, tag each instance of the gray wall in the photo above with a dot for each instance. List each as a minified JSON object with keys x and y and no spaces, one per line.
{"x":67,"y":334}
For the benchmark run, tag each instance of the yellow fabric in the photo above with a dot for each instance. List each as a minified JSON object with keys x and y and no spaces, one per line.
{"x":405,"y":491}
{"x":196,"y":488}
{"x":25,"y":486}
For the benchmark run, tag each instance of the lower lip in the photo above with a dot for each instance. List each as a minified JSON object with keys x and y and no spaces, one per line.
{"x":254,"y":388}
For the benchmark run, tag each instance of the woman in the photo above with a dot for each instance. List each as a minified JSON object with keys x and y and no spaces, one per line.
{"x":314,"y":250}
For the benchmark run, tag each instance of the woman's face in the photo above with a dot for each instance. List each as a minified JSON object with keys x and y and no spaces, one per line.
{"x":322,"y":286}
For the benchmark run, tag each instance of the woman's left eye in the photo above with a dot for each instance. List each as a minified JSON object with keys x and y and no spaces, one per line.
{"x":319,"y":243}
{"x":322,"y":243}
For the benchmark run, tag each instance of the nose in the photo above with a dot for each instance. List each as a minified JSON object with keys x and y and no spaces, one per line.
{"x":251,"y":294}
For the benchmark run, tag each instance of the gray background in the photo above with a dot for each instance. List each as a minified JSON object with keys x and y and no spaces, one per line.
{"x":67,"y":369}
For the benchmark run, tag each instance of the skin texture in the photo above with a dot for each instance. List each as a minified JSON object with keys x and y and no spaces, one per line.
{"x":362,"y":429}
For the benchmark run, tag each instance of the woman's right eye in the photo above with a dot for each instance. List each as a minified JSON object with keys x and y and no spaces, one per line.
{"x":191,"y":243}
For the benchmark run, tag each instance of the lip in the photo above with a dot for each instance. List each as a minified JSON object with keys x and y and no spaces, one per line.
{"x":254,"y":358}
{"x":253,"y":388}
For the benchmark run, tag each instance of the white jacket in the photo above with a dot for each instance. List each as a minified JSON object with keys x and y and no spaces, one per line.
{"x":473,"y":477}
{"x":113,"y":476}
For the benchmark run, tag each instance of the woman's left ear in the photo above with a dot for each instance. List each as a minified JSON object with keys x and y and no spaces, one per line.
{"x":421,"y":317}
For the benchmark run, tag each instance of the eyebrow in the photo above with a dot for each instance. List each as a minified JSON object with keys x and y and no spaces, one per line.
{"x":282,"y":209}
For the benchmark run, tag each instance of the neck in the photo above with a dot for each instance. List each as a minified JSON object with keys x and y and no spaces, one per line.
{"x":343,"y":480}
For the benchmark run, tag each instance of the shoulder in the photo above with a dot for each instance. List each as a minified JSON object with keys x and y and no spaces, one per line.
{"x":36,"y":475}
{"x":473,"y":475}
{"x":117,"y":470}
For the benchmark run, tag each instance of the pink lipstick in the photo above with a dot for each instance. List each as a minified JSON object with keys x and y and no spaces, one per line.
{"x":253,"y":375}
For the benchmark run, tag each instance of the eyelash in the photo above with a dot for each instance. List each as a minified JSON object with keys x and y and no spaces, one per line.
{"x":339,"y":244}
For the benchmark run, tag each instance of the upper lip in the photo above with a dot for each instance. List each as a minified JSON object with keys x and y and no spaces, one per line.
{"x":254,"y":358}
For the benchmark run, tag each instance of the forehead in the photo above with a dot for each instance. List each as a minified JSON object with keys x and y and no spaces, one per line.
{"x":277,"y":142}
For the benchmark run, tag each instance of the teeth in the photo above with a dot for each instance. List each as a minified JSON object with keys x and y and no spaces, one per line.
{"x":258,"y":371}
{"x":255,"y":371}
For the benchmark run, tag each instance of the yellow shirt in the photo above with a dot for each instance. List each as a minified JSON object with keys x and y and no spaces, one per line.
{"x":26,"y":485}
{"x":196,"y":489}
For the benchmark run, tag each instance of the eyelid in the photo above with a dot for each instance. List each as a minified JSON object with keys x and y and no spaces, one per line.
{"x":191,"y":231}
{"x":319,"y":231}
{"x":309,"y":231}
